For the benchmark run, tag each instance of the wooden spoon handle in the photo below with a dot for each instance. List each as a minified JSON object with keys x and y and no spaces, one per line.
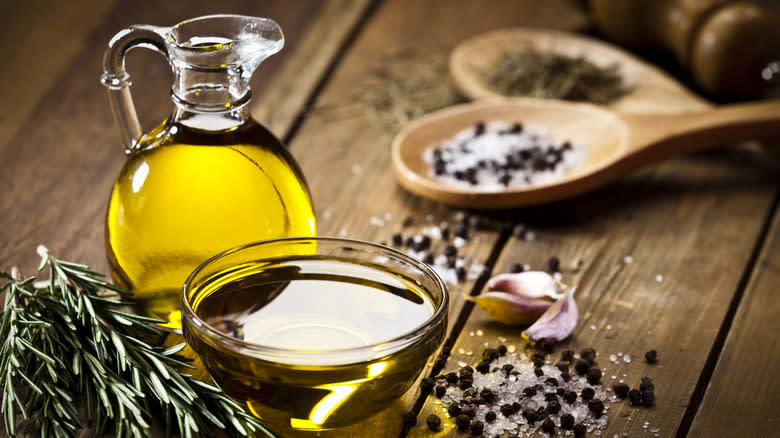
{"x":668,"y":135}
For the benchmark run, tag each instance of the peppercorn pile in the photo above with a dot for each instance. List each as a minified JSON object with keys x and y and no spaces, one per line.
{"x":530,"y":391}
{"x":497,"y":156}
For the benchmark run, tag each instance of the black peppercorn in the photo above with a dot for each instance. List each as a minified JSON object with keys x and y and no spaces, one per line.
{"x":488,"y":395}
{"x":570,"y":397}
{"x":515,"y":268}
{"x":465,"y":382}
{"x":507,"y":410}
{"x":596,"y":406}
{"x":621,"y":389}
{"x":554,"y":265}
{"x":562,"y":366}
{"x":490,"y":416}
{"x":433,"y":422}
{"x":646,"y":385}
{"x":454,"y":410}
{"x":450,"y":251}
{"x":580,"y":430}
{"x":552,"y":381}
{"x":398,"y":239}
{"x":483,"y":366}
{"x":426,"y":385}
{"x":567,"y":421}
{"x":460,"y":273}
{"x":593,"y":375}
{"x":651,"y":356}
{"x":587,"y":393}
{"x":538,"y":372}
{"x":440,"y":391}
{"x":566,"y":376}
{"x":506,"y":369}
{"x":567,"y":356}
{"x":548,"y":426}
{"x":588,"y":354}
{"x":409,"y":419}
{"x":451,"y":377}
{"x":479,"y":129}
{"x":471,"y":413}
{"x":553,"y":408}
{"x":529,"y":391}
{"x":501,"y":349}
{"x":550,"y":396}
{"x":635,"y":397}
{"x":463,"y":422}
{"x":581,"y":367}
{"x":408,"y":221}
{"x":477,"y":427}
{"x":648,"y":397}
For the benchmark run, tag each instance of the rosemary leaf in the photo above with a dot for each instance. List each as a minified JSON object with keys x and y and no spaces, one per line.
{"x":75,"y":317}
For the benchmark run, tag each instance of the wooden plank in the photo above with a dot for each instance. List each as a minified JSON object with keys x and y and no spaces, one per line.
{"x":38,"y":40}
{"x":689,"y":226}
{"x":345,"y":154}
{"x":744,"y":393}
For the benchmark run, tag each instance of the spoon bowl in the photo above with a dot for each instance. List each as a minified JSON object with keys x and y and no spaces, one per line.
{"x":617,"y":143}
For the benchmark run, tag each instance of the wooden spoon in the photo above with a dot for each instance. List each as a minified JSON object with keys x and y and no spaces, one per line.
{"x":651,"y":90}
{"x":617,"y":143}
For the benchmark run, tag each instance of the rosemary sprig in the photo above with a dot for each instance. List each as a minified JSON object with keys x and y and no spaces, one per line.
{"x":68,"y":339}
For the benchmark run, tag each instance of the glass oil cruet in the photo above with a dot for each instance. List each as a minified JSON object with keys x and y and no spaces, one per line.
{"x":209,"y":177}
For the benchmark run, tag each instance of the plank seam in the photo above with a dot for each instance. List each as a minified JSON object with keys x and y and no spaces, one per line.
{"x":340,"y":54}
{"x":720,"y":340}
{"x":463,"y":317}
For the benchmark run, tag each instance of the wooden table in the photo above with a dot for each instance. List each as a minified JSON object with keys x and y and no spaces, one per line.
{"x":703,"y":231}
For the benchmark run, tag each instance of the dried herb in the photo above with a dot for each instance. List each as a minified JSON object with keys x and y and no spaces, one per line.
{"x":67,"y":338}
{"x":548,"y":75}
{"x":407,"y":86}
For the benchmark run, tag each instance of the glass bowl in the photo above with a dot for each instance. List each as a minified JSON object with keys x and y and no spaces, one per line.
{"x":314,"y":333}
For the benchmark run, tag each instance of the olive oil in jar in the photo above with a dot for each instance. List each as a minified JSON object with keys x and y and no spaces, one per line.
{"x":186,"y":194}
{"x":289,"y":311}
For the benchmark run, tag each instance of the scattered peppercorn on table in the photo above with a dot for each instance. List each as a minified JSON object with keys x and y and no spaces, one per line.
{"x":675,"y":266}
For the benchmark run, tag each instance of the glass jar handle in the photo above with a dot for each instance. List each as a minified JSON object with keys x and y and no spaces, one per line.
{"x":116,"y":79}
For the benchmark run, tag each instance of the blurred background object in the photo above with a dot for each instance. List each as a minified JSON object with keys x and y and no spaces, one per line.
{"x":730,"y":50}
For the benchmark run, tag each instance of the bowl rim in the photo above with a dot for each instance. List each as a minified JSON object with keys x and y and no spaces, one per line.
{"x":191,"y":321}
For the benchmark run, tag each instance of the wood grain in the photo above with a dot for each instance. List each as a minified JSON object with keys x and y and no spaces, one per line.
{"x":38,"y":40}
{"x":744,"y":383}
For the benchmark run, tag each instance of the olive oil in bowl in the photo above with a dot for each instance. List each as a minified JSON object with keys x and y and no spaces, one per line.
{"x":321,"y":334}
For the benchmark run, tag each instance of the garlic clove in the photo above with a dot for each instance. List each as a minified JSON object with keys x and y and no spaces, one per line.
{"x":511,"y":309}
{"x":558,"y":322}
{"x":530,"y":284}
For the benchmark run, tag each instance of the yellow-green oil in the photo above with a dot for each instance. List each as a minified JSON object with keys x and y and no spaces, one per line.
{"x":313,"y":304}
{"x":186,"y":194}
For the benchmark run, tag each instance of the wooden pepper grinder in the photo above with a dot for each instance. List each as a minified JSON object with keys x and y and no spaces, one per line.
{"x":730,"y":49}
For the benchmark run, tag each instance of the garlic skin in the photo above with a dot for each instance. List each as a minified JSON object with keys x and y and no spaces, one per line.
{"x":530,"y":284}
{"x":558,"y":322}
{"x":518,"y":298}
{"x":511,"y":309}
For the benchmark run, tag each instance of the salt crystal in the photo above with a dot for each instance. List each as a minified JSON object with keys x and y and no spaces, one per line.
{"x":343,"y":232}
{"x":659,"y":278}
{"x":608,"y":327}
{"x":612,"y":358}
{"x":557,"y":276}
{"x":627,"y":358}
{"x":530,"y":235}
{"x":593,"y":327}
{"x":458,"y":242}
{"x":429,"y":217}
{"x":388,"y":216}
{"x":377,"y":222}
{"x":480,"y":333}
{"x":325,"y":214}
{"x":356,"y":169}
{"x":628,"y":260}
